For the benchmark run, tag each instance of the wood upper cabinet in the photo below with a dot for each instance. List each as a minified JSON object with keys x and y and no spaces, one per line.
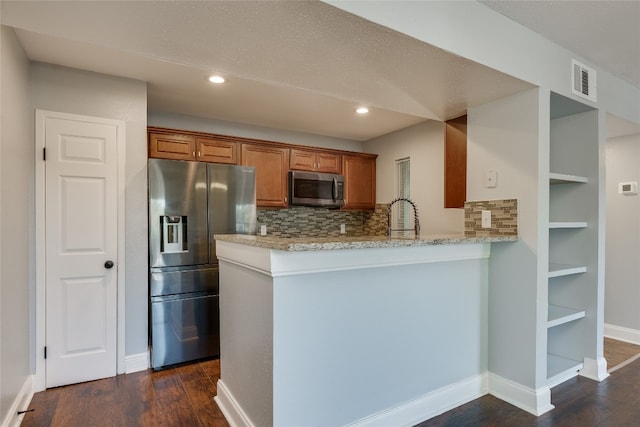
{"x":172,"y":146}
{"x":360,"y":181}
{"x":177,"y":146}
{"x":272,"y":161}
{"x":216,"y":151}
{"x":455,"y":162}
{"x":272,"y":167}
{"x":316,"y":161}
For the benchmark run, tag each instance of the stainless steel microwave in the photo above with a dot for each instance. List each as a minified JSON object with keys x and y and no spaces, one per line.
{"x":316,"y":189}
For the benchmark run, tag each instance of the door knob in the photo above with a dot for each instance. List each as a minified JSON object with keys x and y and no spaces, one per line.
{"x":108,"y":264}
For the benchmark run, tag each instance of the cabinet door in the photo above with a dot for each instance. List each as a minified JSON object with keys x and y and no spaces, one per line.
{"x":172,"y":146}
{"x":216,"y":151}
{"x":272,"y":166}
{"x":455,"y":162}
{"x":302,"y":160}
{"x":360,"y":181}
{"x":306,"y":160}
{"x":327,"y":162}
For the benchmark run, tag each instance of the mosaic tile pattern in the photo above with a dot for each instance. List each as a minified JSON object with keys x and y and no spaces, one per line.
{"x":375,"y":223}
{"x":310,"y":222}
{"x":300,"y":222}
{"x":504,"y":218}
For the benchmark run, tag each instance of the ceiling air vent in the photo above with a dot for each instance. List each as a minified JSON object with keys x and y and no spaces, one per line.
{"x":584,"y":81}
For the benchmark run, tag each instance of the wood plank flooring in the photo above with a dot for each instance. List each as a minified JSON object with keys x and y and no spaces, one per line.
{"x":617,"y":352}
{"x":579,"y":402}
{"x":180,"y":396}
{"x":183,"y":396}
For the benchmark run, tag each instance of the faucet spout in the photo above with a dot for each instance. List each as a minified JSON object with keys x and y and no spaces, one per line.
{"x":416,"y":221}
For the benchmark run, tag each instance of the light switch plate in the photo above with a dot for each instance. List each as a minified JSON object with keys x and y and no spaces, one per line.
{"x":490,"y":178}
{"x":263,"y":230}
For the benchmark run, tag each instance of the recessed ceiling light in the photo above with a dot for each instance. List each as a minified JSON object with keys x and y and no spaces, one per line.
{"x":362,"y":110}
{"x":216,"y":79}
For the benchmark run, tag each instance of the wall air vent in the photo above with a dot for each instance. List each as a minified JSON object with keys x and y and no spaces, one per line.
{"x":583,"y":81}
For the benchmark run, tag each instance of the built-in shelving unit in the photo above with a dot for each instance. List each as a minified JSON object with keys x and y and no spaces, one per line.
{"x":560,"y":369}
{"x":560,"y":178}
{"x":560,"y":315}
{"x":559,"y":270}
{"x":573,"y":223}
{"x":567,"y":224}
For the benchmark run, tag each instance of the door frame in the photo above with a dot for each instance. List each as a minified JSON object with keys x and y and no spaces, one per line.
{"x":39,"y":376}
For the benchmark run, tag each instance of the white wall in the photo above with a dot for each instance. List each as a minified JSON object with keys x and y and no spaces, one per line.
{"x":622,"y":265}
{"x":181,"y":121}
{"x":16,"y":223}
{"x":424,"y":145}
{"x":503,"y":136}
{"x":80,"y":92}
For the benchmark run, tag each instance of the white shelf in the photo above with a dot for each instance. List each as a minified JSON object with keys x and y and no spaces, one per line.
{"x":560,"y":369}
{"x":558,"y":270}
{"x":560,"y":178}
{"x":568,"y":224}
{"x":560,"y":315}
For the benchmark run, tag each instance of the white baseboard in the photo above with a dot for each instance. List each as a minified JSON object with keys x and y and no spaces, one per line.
{"x":20,"y":403}
{"x":428,"y":406}
{"x":536,"y":402}
{"x":594,"y":369}
{"x":136,"y":362}
{"x":622,"y":334}
{"x":230,"y":407}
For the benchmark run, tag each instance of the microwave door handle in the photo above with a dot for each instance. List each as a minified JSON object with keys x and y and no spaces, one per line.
{"x":335,"y":189}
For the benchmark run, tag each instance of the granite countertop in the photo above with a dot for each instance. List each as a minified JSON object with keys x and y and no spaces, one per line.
{"x":355,"y":242}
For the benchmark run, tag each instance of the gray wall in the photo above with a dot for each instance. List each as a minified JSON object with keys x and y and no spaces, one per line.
{"x":622,"y":266}
{"x":503,"y":135}
{"x":16,"y":206}
{"x":424,"y":145}
{"x":72,"y":91}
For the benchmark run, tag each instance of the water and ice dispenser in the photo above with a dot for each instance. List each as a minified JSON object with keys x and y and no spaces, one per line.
{"x":173,"y":234}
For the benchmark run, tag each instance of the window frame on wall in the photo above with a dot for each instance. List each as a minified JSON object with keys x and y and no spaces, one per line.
{"x":402,"y":215}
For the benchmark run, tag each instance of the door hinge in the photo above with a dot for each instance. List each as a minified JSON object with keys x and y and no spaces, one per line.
{"x":45,"y":352}
{"x":44,"y":154}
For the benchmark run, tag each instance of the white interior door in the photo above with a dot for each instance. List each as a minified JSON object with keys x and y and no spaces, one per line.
{"x":81,"y":205}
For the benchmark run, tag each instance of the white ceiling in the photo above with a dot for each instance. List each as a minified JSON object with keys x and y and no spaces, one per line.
{"x":296,"y":65}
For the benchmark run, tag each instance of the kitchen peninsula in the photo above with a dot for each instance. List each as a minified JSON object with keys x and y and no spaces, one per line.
{"x":351,"y":330}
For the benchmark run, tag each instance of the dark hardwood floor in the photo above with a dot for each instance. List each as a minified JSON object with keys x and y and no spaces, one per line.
{"x":183,"y":396}
{"x":618,"y":352}
{"x":180,"y":396}
{"x":579,"y":402}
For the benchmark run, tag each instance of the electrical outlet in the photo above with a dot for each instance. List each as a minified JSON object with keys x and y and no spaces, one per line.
{"x":263,"y":230}
{"x":343,"y":229}
{"x":486,"y":219}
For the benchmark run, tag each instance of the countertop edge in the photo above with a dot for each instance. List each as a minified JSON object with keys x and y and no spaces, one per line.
{"x":358,"y":242}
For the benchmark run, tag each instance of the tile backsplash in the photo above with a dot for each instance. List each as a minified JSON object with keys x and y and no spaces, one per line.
{"x":314,"y":222}
{"x":320,"y":222}
{"x":504,"y":218}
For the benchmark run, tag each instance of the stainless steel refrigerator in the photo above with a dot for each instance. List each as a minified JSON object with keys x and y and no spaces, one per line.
{"x":189,"y":202}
